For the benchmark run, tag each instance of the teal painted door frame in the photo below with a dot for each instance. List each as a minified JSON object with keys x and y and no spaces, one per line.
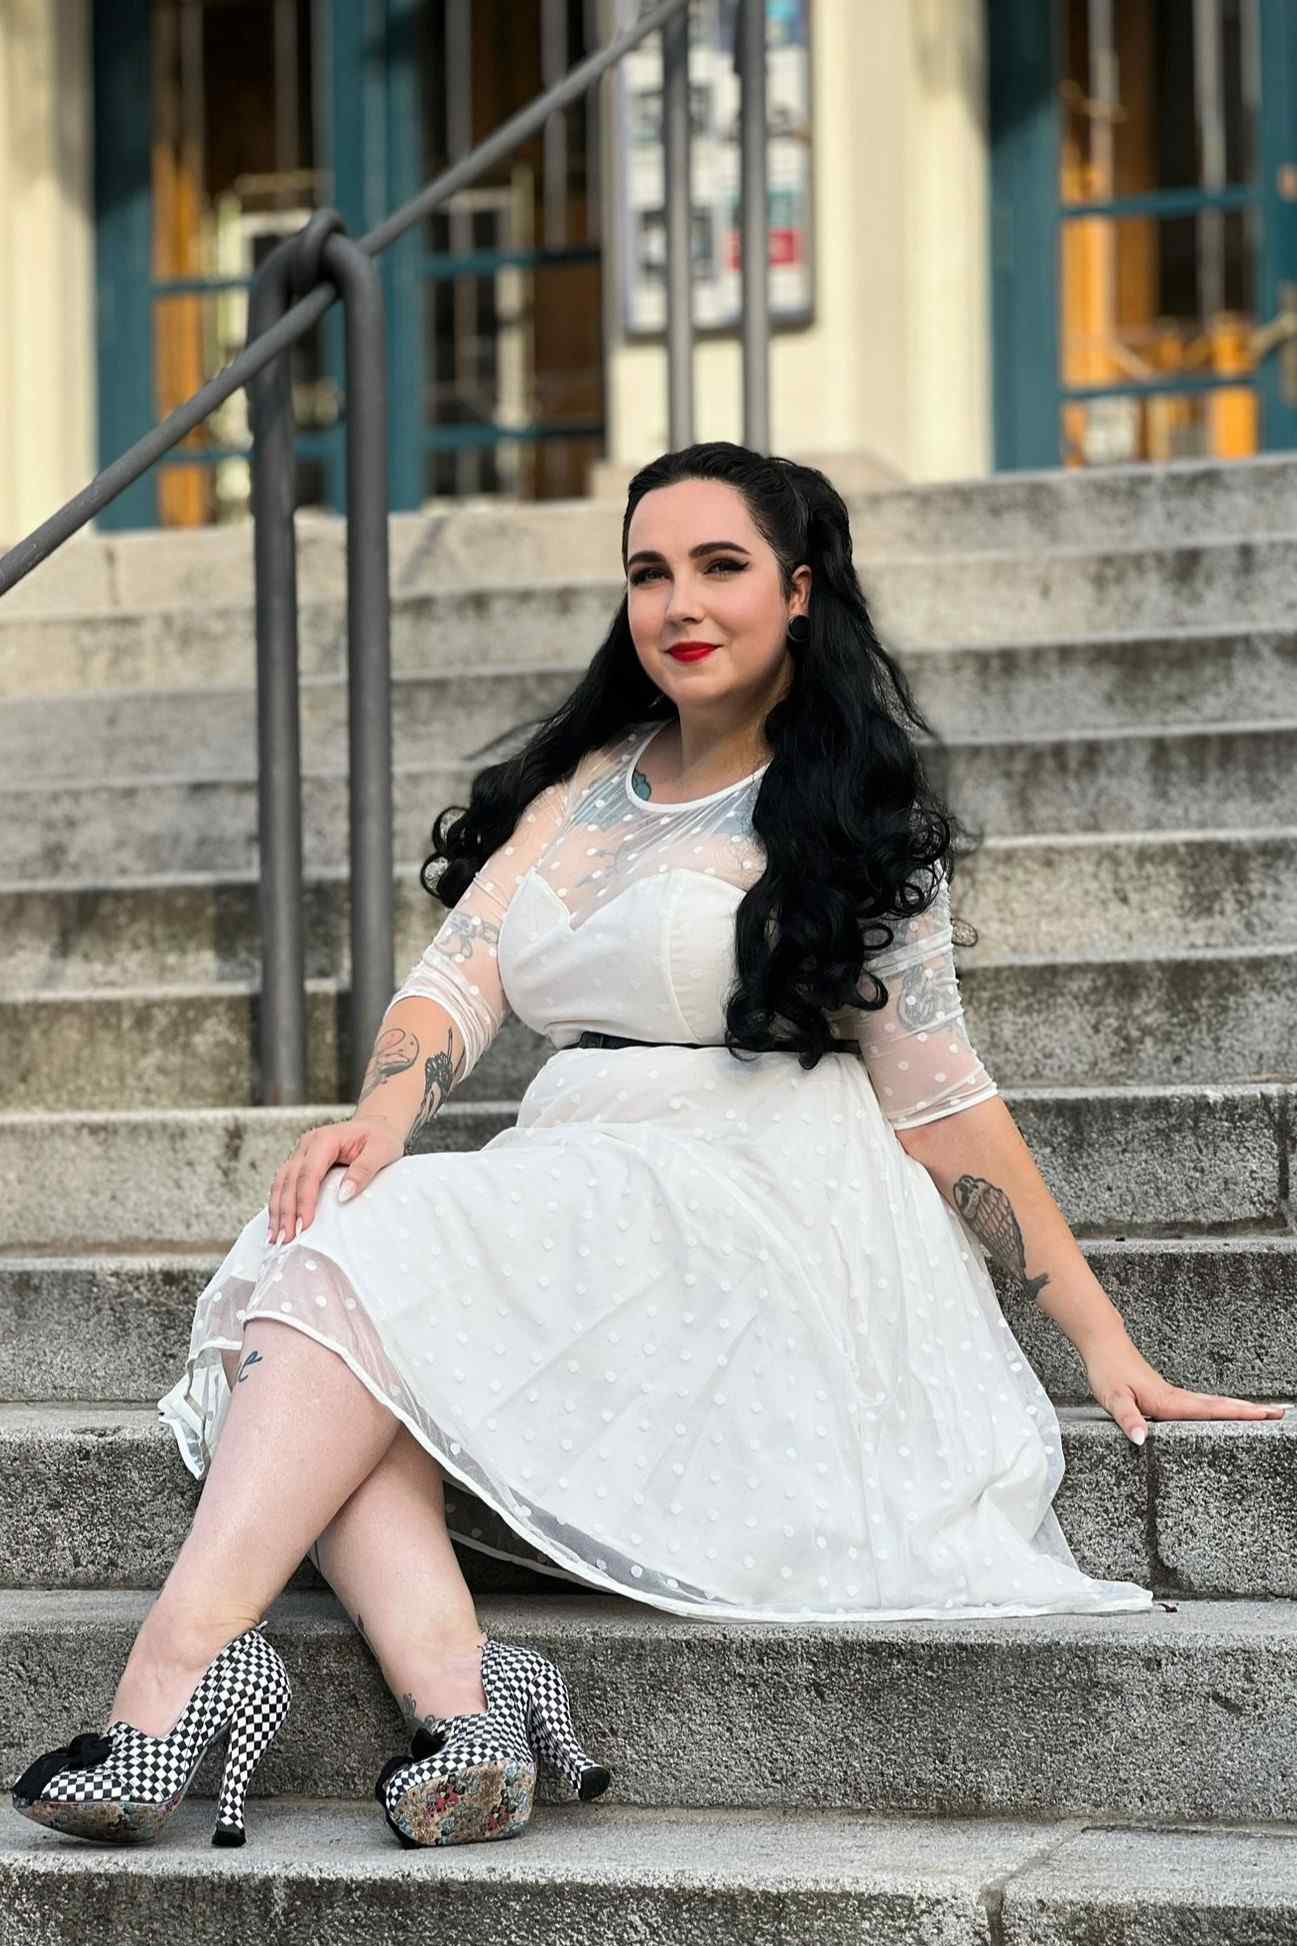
{"x":122,"y":70}
{"x":370,"y":68}
{"x":374,"y":147}
{"x":1023,"y":43}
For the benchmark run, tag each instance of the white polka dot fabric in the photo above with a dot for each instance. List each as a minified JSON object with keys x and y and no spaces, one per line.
{"x":698,"y":1330}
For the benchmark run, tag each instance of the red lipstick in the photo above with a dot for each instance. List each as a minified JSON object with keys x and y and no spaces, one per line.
{"x":691,"y":651}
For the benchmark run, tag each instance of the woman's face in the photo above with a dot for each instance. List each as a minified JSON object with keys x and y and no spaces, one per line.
{"x":729,"y":596}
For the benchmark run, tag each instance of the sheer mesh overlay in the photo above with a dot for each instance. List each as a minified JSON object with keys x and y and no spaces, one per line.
{"x":695,"y":1330}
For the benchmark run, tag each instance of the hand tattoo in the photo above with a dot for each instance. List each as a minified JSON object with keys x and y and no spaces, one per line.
{"x":989,"y":1214}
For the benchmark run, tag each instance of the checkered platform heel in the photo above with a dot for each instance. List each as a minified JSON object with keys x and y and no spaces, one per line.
{"x":474,"y":1776}
{"x":121,"y":1786}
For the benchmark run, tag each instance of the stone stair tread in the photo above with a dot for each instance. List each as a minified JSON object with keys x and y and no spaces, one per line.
{"x":454,"y":1111}
{"x":60,"y":1416}
{"x":119,"y":1255}
{"x":463,"y":768}
{"x":1184,"y":1708}
{"x":236,"y":986}
{"x":620,"y":1872}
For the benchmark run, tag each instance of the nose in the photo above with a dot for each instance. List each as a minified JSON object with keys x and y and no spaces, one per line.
{"x":682,"y":606}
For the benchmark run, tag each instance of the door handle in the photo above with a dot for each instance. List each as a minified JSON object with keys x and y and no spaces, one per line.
{"x":1281,"y":330}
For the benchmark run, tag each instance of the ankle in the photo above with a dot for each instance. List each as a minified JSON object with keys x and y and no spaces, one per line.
{"x":448,"y":1683}
{"x":175,"y":1639}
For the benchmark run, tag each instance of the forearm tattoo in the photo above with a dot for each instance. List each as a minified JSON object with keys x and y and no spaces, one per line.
{"x":395,"y":1050}
{"x":440,"y":1073}
{"x":989,"y":1214}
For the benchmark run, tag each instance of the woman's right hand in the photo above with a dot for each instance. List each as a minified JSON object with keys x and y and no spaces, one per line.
{"x":366,"y":1143}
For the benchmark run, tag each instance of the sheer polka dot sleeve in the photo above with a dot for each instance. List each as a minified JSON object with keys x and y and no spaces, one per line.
{"x":916,"y":1048}
{"x":459,"y":967}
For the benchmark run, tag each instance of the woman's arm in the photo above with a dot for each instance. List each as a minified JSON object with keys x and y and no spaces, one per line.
{"x":983,"y":1167}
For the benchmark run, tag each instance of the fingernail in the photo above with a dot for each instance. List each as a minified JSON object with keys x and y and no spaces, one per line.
{"x":1138,"y":1437}
{"x":281,"y":1236}
{"x":298,"y":1231}
{"x":348,"y":1189}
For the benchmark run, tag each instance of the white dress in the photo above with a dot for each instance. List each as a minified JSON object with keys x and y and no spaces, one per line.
{"x":696,"y":1330}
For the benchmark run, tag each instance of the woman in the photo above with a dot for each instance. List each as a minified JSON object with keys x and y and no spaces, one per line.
{"x":708,"y":1326}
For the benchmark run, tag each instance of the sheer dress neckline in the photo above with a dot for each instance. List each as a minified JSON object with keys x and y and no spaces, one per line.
{"x":683,"y":803}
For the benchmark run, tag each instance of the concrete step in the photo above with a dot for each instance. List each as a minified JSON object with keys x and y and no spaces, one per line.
{"x":630,"y":1876}
{"x":1128,"y":893}
{"x":1161,"y":1161}
{"x":495,"y":621}
{"x":99,"y":1497}
{"x":1191,"y":1016}
{"x":1168,"y":779}
{"x":1122,"y":681}
{"x":1211,"y":1313}
{"x":493,"y":539}
{"x":1153,"y":779}
{"x":1185,"y":1710}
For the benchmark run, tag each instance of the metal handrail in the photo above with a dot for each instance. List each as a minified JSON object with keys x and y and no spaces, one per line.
{"x":283,"y":1028}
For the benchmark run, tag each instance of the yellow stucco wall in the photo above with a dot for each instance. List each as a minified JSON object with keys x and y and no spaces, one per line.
{"x":47,"y":406}
{"x":897,"y":364}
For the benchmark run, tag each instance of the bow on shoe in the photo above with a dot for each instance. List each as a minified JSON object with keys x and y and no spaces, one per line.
{"x":88,"y":1748}
{"x":424,"y":1743}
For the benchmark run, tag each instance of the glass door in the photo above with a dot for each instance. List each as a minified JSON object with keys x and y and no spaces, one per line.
{"x":1160,"y":319}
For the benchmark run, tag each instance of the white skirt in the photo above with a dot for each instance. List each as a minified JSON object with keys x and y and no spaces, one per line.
{"x":693,"y":1330}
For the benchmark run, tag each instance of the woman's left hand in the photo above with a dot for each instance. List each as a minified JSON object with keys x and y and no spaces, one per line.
{"x":1131,"y":1390}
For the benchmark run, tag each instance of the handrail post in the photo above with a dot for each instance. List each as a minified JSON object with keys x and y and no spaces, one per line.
{"x":369,"y":664}
{"x":282,"y":1013}
{"x":678,"y":198}
{"x":293,"y":268}
{"x":754,"y":205}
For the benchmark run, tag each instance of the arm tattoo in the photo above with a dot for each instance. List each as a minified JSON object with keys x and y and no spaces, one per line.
{"x":395,"y":1050}
{"x":989,"y":1214}
{"x":253,"y":1358}
{"x":440,"y":1073}
{"x":927,"y":994}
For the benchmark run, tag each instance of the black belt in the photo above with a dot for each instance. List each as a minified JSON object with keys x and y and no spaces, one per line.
{"x":591,"y":1038}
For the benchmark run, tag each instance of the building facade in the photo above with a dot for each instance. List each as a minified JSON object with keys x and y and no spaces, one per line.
{"x":1004,"y":233}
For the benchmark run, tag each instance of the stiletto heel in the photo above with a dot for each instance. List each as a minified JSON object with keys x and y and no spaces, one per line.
{"x":473,"y":1776}
{"x":122,"y":1785}
{"x":549,"y":1719}
{"x":252,"y":1732}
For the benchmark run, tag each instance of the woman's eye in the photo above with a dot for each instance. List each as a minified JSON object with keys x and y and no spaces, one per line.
{"x":644,"y":573}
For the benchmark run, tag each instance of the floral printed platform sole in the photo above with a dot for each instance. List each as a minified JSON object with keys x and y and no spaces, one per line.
{"x":122,"y":1786}
{"x":458,"y":1803}
{"x":473,"y":1776}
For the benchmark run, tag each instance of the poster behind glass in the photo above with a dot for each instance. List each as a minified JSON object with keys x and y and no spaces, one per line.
{"x":714,"y":133}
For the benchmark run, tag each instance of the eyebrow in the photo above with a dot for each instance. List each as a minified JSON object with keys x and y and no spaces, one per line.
{"x":703,"y":547}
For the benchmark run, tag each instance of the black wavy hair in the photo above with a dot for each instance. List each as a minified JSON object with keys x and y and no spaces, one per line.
{"x":852,"y":829}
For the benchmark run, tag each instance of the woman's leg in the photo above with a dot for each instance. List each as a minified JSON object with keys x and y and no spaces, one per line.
{"x":300,"y":1435}
{"x":390,"y":1562}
